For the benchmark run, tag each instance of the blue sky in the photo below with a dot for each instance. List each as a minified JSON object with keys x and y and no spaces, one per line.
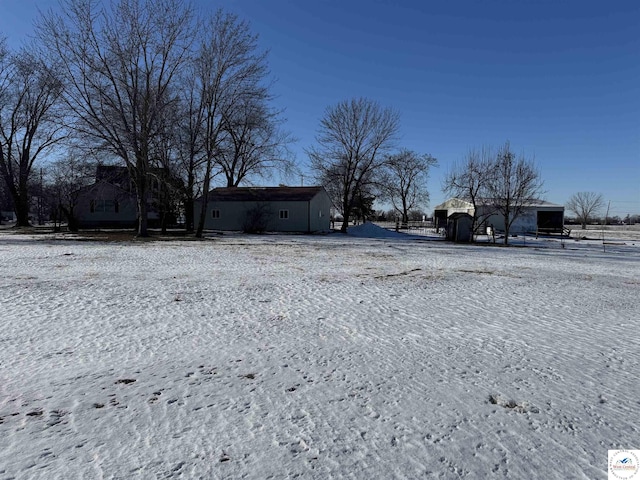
{"x":559,"y":79}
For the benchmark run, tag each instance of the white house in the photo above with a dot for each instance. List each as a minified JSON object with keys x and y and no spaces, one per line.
{"x":267,"y":209}
{"x":537,"y":216}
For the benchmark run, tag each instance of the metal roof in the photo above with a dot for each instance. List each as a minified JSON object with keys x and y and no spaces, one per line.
{"x":483,"y":202}
{"x":456,"y":215}
{"x":264,"y":194}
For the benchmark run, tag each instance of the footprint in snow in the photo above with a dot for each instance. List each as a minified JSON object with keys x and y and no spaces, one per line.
{"x":521,"y":407}
{"x":125,"y":381}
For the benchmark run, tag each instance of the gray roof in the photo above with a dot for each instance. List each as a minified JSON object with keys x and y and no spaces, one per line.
{"x":264,"y":194}
{"x":460,"y":203}
{"x":459,"y":215}
{"x":105,"y":185}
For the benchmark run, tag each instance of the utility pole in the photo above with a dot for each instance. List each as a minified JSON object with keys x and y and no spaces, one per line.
{"x":40,"y":201}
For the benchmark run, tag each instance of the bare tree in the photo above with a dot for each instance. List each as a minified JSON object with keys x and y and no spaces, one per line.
{"x":6,"y":201}
{"x":30,"y":89}
{"x":229,"y":70}
{"x":167,"y":188}
{"x":353,"y":138}
{"x":253,"y":144}
{"x":469,"y":180}
{"x":585,"y":205}
{"x":120,"y":63}
{"x":188,"y":140}
{"x":513,"y":185}
{"x":404,"y":181}
{"x":66,"y":176}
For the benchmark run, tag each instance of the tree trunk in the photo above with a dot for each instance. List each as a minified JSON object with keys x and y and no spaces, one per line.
{"x":205,"y":201}
{"x":506,"y":229}
{"x":22,"y":217}
{"x":346,"y":213}
{"x":405,"y":211}
{"x":21,"y":204}
{"x":163,"y":222}
{"x":345,"y":222}
{"x":474,"y":226}
{"x":142,"y":213}
{"x":20,"y":198}
{"x":72,"y":222}
{"x":189,"y":215}
{"x":204,"y":204}
{"x":141,"y":184}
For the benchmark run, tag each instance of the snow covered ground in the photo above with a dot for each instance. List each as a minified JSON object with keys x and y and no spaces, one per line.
{"x":316,"y":357}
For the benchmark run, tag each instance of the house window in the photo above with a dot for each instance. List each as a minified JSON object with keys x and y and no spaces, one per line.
{"x":104,"y":206}
{"x":215,"y":213}
{"x":284,"y":214}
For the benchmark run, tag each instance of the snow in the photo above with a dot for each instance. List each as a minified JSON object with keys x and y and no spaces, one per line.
{"x":371,"y":230}
{"x":335,"y":356}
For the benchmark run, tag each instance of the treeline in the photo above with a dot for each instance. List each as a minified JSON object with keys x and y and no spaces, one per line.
{"x":149,"y":83}
{"x":169,"y":92}
{"x":601,"y":220}
{"x":162,"y":88}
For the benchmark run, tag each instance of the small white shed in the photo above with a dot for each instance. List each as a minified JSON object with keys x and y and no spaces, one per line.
{"x":460,"y":227}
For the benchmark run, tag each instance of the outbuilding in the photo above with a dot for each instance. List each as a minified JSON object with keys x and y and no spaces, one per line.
{"x":267,"y":209}
{"x":460,"y":227}
{"x":536,"y":216}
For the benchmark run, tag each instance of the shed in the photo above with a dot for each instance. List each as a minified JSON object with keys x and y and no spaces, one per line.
{"x":267,"y":209}
{"x":459,"y":227}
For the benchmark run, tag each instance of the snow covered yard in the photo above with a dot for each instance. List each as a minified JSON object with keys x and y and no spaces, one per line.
{"x":316,"y":357}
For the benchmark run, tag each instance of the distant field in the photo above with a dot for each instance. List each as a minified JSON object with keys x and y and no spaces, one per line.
{"x":630,"y":232}
{"x":608,"y":232}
